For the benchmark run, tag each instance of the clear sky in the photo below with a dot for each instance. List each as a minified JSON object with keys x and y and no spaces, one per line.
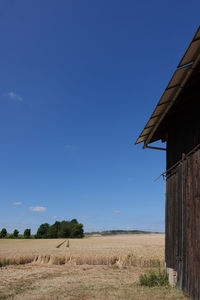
{"x":78,"y":81}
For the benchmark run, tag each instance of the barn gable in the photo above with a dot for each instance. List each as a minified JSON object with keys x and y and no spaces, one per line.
{"x":187,"y":68}
{"x":176,"y":121}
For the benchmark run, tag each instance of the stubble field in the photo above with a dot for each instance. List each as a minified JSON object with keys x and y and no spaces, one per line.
{"x":91,"y":268}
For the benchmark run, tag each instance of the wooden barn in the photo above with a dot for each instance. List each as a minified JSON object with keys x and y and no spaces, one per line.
{"x":176,"y":121}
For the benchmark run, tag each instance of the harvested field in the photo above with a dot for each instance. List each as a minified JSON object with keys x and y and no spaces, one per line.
{"x":91,"y":268}
{"x":147,"y":245}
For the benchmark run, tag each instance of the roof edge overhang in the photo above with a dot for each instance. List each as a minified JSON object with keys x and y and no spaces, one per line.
{"x":180,"y":77}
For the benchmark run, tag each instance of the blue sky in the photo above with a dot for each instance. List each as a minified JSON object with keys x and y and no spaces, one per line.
{"x":78,"y":81}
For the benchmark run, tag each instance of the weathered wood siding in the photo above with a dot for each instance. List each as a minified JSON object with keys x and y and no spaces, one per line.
{"x":171,"y":219}
{"x":183,"y":223}
{"x":183,"y":127}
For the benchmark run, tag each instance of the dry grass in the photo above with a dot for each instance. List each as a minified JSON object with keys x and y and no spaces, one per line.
{"x":139,"y":245}
{"x":123,"y":250}
{"x":120,"y":261}
{"x":91,"y":268}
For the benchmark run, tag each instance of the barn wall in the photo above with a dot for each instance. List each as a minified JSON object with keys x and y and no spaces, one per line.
{"x":183,"y":223}
{"x":183,"y":128}
{"x":171,"y":219}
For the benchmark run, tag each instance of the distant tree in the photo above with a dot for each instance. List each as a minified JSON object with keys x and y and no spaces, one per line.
{"x":65,"y":229}
{"x":74,"y":221}
{"x":42,"y":231}
{"x":77,"y":231}
{"x":3,"y":233}
{"x":27,"y":233}
{"x":15,"y":233}
{"x":53,"y":231}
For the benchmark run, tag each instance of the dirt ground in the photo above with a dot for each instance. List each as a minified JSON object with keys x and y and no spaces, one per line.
{"x":78,"y":282}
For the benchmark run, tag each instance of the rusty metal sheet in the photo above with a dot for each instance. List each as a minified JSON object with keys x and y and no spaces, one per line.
{"x":159,"y":109}
{"x":178,"y":77}
{"x":150,"y":124}
{"x":167,"y":96}
{"x":192,"y":50}
{"x":140,"y":140}
{"x":146,"y":131}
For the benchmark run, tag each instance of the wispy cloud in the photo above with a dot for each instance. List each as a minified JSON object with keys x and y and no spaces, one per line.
{"x":15,"y":224}
{"x":116,"y":212}
{"x":37,"y":208}
{"x":14,"y":96}
{"x":48,"y":217}
{"x":17,"y":203}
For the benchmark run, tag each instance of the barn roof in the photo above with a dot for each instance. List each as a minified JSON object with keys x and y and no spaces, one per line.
{"x":184,"y":70}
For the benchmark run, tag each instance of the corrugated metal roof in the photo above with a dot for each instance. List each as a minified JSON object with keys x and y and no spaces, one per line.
{"x":175,"y":85}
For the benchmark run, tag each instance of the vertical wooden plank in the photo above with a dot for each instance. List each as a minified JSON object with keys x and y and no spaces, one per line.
{"x":183,"y":224}
{"x":191,"y":226}
{"x":171,"y":250}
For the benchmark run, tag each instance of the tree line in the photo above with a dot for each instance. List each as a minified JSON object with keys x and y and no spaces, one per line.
{"x":63,"y":229}
{"x":15,"y":234}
